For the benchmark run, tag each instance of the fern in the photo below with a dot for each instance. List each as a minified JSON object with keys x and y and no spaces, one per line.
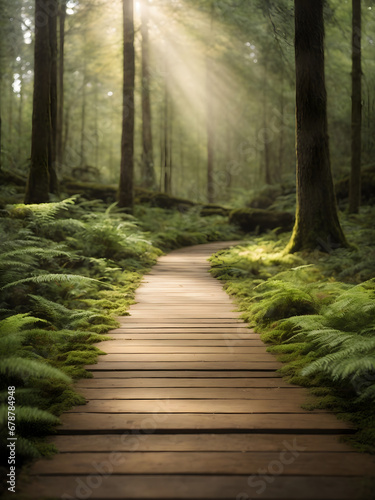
{"x":49,"y":278}
{"x":24,"y":369}
{"x":30,"y":421}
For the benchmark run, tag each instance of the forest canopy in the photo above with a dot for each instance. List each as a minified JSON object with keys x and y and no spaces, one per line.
{"x":218,"y":69}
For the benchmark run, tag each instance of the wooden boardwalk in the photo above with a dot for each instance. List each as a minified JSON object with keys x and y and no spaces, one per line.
{"x":187,"y":405}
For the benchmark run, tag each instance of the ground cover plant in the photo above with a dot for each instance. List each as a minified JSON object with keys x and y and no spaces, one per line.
{"x":67,"y":270}
{"x":316,"y":310}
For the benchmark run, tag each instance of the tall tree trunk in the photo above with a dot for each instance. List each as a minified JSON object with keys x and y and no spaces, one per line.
{"x":282,"y":133}
{"x":10,"y":117}
{"x":60,"y":107}
{"x":83,"y":117}
{"x":317,"y":224}
{"x":166,"y":136}
{"x":210,"y":130}
{"x":356,"y":146}
{"x":38,"y":181}
{"x":126,"y":197}
{"x":210,"y":127}
{"x":148,"y":173}
{"x":265,"y":138}
{"x":52,"y":28}
{"x":170,"y":146}
{"x":20,"y":117}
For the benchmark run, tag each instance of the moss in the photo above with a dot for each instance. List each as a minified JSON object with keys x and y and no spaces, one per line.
{"x":163,"y":200}
{"x":80,"y":358}
{"x":258,"y":220}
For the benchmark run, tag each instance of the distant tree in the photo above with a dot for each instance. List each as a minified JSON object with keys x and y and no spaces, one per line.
{"x":356,"y":143}
{"x":37,"y":188}
{"x":317,"y":223}
{"x":126,"y":198}
{"x":148,"y":173}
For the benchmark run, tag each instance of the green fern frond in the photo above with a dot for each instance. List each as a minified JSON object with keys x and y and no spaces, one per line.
{"x":29,"y":420}
{"x":17,"y":322}
{"x":26,"y":368}
{"x":49,"y":278}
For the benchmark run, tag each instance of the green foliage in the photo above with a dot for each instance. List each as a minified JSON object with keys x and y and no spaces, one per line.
{"x":172,"y":229}
{"x":66,"y":269}
{"x":322,"y":329}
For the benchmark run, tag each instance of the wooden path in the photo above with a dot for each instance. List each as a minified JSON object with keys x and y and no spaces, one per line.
{"x":187,"y":405}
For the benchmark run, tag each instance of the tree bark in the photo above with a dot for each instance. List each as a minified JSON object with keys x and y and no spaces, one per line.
{"x":210,"y":131}
{"x":356,"y":128}
{"x":126,"y":197}
{"x":60,"y":107}
{"x":210,"y":127}
{"x":148,"y":173}
{"x":38,"y":181}
{"x":52,"y":28}
{"x":317,"y":224}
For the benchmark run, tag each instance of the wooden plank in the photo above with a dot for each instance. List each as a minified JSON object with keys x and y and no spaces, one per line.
{"x":296,"y":462}
{"x":185,"y":487}
{"x":297,"y":395}
{"x":192,"y":406}
{"x":95,"y":383}
{"x":122,"y":348}
{"x":176,"y":334}
{"x":225,"y":356}
{"x":192,"y":320}
{"x":158,"y":421}
{"x":192,"y":374}
{"x":182,"y":342}
{"x":198,"y":442}
{"x":181,"y":365}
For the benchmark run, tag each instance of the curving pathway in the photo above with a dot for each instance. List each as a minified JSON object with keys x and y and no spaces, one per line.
{"x":187,"y":405}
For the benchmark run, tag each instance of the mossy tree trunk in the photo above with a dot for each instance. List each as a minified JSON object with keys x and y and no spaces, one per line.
{"x":37,"y":188}
{"x":126,"y":196}
{"x":317,"y":224}
{"x":148,"y":173}
{"x":355,"y":178}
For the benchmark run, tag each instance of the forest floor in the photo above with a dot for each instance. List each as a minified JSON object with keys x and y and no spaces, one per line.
{"x":187,"y":403}
{"x":68,"y":269}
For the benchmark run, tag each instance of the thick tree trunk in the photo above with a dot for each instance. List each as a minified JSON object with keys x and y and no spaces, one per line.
{"x":355,"y":178}
{"x":126,"y":197}
{"x":38,"y":182}
{"x":60,"y":107}
{"x":148,"y":173}
{"x":52,"y":22}
{"x":317,"y":224}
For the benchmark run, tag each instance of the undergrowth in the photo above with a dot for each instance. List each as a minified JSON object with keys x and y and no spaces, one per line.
{"x":317,"y":313}
{"x":67,"y":269}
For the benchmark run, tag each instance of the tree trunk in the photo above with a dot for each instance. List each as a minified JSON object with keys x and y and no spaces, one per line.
{"x":38,"y":182}
{"x":210,"y":116}
{"x":126,"y":197}
{"x":317,"y":224}
{"x":210,"y":131}
{"x":20,"y":117}
{"x":60,"y":107}
{"x":148,"y":173}
{"x":356,"y":146}
{"x":83,"y":117}
{"x":166,"y":132}
{"x":52,"y":28}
